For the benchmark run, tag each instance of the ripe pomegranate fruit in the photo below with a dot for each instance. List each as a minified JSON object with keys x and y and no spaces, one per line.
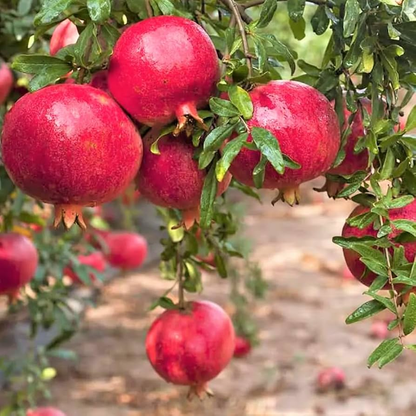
{"x":77,"y":149}
{"x":18,"y":263}
{"x":352,"y":258}
{"x":6,"y":82}
{"x":65,"y":34}
{"x":289,"y":110}
{"x":126,"y":250}
{"x":99,"y":80}
{"x":353,"y":162}
{"x":95,"y":260}
{"x":242,"y":347}
{"x":172,"y":178}
{"x":332,"y":378}
{"x":192,"y":346}
{"x":45,"y":411}
{"x":164,"y":68}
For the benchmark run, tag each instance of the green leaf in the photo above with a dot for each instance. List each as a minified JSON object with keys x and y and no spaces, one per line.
{"x":230,"y":151}
{"x":51,"y":10}
{"x":384,"y":301}
{"x":205,"y":158}
{"x":381,"y":350}
{"x":378,"y":283}
{"x":295,"y":9}
{"x":409,"y":322}
{"x":216,"y":137}
{"x":209,"y":192}
{"x":269,"y":147}
{"x":405,"y":225}
{"x":267,"y":12}
{"x":260,"y":53}
{"x":351,"y":17}
{"x":390,"y":64}
{"x":366,"y":310}
{"x":411,"y":120}
{"x":176,"y":233}
{"x":298,"y":28}
{"x":282,"y":50}
{"x":388,"y":165}
{"x":154,"y":148}
{"x":308,"y":68}
{"x":220,"y":265}
{"x":99,"y":10}
{"x":390,"y":356}
{"x":166,"y":303}
{"x":241,"y":99}
{"x":400,"y":202}
{"x":320,"y":20}
{"x":374,"y":266}
{"x":24,"y":7}
{"x":259,"y":172}
{"x":349,"y":190}
{"x":223,"y":108}
{"x":362,"y":220}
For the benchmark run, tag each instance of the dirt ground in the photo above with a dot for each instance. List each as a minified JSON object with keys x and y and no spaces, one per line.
{"x":301,"y":325}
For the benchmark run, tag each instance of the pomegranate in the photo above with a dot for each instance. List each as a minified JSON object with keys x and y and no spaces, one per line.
{"x":379,"y":330}
{"x":289,"y":110}
{"x":77,"y":149}
{"x":192,"y":346}
{"x":95,"y":260}
{"x":164,"y":68}
{"x":45,"y":411}
{"x":99,"y":80}
{"x":353,"y":162}
{"x":332,"y":378}
{"x":172,"y":178}
{"x":352,"y":258}
{"x":18,"y":263}
{"x":126,"y":250}
{"x":65,"y":34}
{"x":242,"y":347}
{"x":6,"y":82}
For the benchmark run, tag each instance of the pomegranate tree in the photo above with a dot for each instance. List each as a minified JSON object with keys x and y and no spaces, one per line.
{"x":45,"y":411}
{"x":288,"y":109}
{"x":172,"y":178}
{"x":65,"y":34}
{"x":78,"y":149}
{"x":95,"y":260}
{"x":6,"y":82}
{"x":18,"y":263}
{"x":191,"y":346}
{"x":158,"y":77}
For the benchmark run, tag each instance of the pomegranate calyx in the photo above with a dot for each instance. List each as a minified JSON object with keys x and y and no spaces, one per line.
{"x":289,"y":195}
{"x":69,"y":215}
{"x":190,"y":217}
{"x":200,"y":390}
{"x":187,"y":114}
{"x":332,"y":188}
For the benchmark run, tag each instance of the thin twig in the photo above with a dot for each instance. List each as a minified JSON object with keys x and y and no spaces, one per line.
{"x":233,"y":6}
{"x":253,"y":3}
{"x":81,"y":73}
{"x":179,"y":269}
{"x":149,"y":9}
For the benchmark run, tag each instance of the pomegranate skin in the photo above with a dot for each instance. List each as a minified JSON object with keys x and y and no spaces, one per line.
{"x":353,"y":162}
{"x":65,"y":34}
{"x":127,"y":250}
{"x":95,"y":260}
{"x":172,"y":178}
{"x":191,"y":347}
{"x":352,"y":258}
{"x":77,"y":149}
{"x":99,"y":80}
{"x":18,"y":262}
{"x":6,"y":82}
{"x":242,"y":347}
{"x":307,"y":128}
{"x":45,"y":411}
{"x":157,"y":78}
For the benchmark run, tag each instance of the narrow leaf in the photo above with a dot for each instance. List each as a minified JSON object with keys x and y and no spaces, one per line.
{"x":209,"y":192}
{"x":381,"y":350}
{"x":241,"y":99}
{"x":366,"y":310}
{"x":269,"y":147}
{"x":409,"y":322}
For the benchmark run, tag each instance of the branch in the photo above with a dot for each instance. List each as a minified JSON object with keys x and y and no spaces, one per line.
{"x":253,"y":3}
{"x":149,"y":9}
{"x":234,"y":8}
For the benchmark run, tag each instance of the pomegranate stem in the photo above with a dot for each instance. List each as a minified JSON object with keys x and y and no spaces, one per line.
{"x":179,"y":267}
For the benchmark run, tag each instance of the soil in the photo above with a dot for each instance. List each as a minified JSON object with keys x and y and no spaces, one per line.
{"x":302,"y":330}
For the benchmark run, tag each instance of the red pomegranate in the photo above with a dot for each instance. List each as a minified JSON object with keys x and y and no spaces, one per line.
{"x":65,"y":34}
{"x":6,"y":82}
{"x":191,"y":347}
{"x":77,"y":149}
{"x":126,"y":250}
{"x":353,"y":162}
{"x":163,"y":68}
{"x":242,"y":347}
{"x":306,"y":126}
{"x":379,"y":330}
{"x":45,"y":411}
{"x":352,"y":258}
{"x":95,"y":260}
{"x":99,"y":80}
{"x":332,"y":378}
{"x":18,"y":263}
{"x":172,"y":178}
